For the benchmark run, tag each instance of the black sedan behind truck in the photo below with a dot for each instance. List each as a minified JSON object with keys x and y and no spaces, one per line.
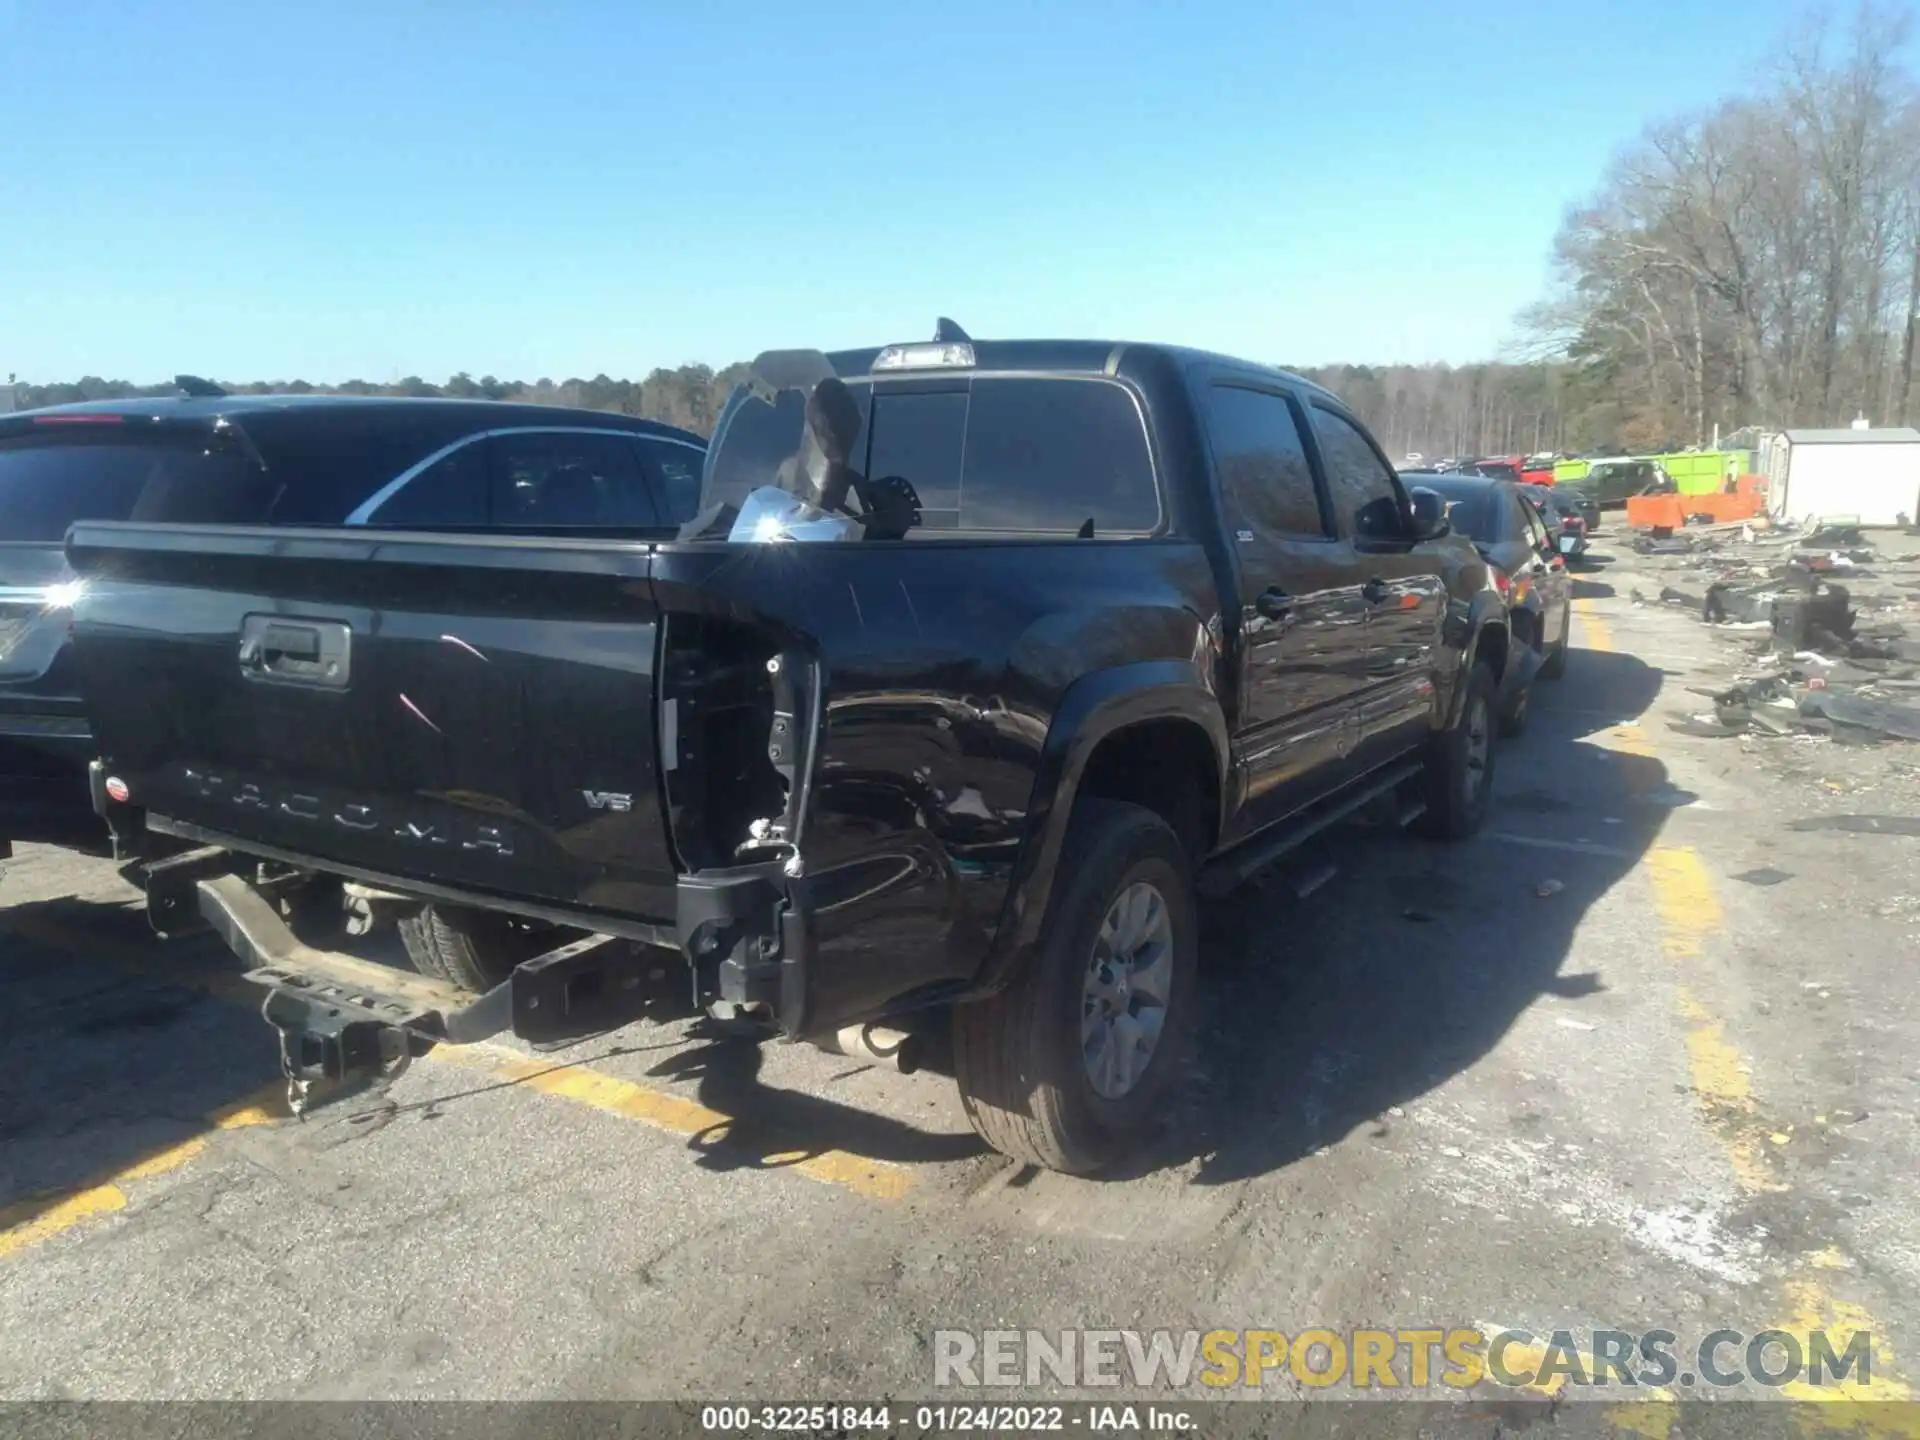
{"x":205,"y":457}
{"x":981,"y":666}
{"x":1528,"y":570}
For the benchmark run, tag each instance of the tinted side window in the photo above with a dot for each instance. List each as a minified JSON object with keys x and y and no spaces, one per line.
{"x":547,"y":479}
{"x":1054,"y":454}
{"x":676,"y":478}
{"x":451,"y":491}
{"x":327,"y":461}
{"x":1364,"y":496}
{"x":676,"y":470}
{"x":1478,"y":515}
{"x":1027,"y":456}
{"x":48,"y":482}
{"x":922,"y":437}
{"x":1536,"y":529}
{"x":1264,"y":475}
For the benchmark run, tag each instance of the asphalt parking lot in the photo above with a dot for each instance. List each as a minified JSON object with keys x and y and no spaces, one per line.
{"x":1640,"y":1055}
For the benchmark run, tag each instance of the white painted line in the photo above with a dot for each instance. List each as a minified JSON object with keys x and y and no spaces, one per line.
{"x":1578,"y":847}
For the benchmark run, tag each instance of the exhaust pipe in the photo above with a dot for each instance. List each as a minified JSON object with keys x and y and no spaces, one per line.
{"x":901,"y":1049}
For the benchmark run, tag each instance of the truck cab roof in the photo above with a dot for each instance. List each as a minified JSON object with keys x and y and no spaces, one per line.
{"x":1080,"y":357}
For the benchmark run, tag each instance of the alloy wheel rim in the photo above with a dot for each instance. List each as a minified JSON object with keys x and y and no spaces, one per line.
{"x":1124,"y":996}
{"x":1479,"y":746}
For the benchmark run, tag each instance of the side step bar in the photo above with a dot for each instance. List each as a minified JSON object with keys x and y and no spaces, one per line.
{"x":1227,"y":872}
{"x":340,"y":1015}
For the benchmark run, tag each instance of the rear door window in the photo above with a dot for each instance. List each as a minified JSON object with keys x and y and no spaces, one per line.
{"x":1018,"y":455}
{"x":675,"y":471}
{"x":56,"y":476}
{"x":450,"y":491}
{"x":1477,"y":514}
{"x":326,"y":461}
{"x":568,"y":479}
{"x":1536,"y":530}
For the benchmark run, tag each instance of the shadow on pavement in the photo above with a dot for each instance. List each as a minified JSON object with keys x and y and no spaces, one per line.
{"x":122,"y":1046}
{"x":768,"y":1120}
{"x":117,"y":1047}
{"x":1407,"y":968}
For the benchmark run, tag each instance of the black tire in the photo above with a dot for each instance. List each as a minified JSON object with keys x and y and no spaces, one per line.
{"x":1556,"y":665}
{"x":1018,"y":1055}
{"x":1458,"y":790}
{"x":475,"y":949}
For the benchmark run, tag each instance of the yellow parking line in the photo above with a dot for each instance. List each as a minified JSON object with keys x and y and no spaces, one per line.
{"x":28,"y":1222}
{"x":1689,"y":912}
{"x":875,"y":1179}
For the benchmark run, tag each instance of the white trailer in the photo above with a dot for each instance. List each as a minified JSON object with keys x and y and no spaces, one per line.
{"x":1872,"y":476}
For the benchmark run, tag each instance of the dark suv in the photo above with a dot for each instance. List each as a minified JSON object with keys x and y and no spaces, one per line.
{"x":271,"y":459}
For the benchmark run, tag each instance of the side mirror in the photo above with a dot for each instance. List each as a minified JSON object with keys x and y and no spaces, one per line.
{"x":1430,"y":520}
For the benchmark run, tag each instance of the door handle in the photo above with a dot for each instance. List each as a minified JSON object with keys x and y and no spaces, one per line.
{"x":1273,"y":603}
{"x":1374,"y":592}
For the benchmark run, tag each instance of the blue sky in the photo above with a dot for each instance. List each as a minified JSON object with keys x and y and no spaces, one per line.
{"x":374,"y":190}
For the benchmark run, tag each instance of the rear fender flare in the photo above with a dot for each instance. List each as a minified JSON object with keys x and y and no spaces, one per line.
{"x":1094,"y":707}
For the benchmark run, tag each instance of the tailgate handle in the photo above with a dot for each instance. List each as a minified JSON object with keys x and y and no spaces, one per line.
{"x":295,"y":652}
{"x":287,"y":642}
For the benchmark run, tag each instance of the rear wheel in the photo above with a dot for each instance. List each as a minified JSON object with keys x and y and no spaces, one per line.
{"x":475,"y":949}
{"x":1069,"y":1066}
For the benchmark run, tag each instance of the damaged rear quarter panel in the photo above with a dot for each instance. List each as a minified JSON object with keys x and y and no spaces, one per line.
{"x":944,"y":665}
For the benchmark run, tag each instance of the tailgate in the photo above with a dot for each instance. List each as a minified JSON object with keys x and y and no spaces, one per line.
{"x":472,"y":712}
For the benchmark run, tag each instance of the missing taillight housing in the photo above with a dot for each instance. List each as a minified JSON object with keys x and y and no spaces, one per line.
{"x":736,"y":723}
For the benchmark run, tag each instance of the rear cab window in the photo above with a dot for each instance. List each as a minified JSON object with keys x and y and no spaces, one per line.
{"x":987,"y":454}
{"x":1017,"y":455}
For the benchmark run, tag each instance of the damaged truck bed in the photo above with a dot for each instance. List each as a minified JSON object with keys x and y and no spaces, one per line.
{"x":1056,"y":669}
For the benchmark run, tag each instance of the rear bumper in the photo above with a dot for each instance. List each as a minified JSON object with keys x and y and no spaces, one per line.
{"x":49,"y":809}
{"x":743,"y":936}
{"x":53,"y":724}
{"x":342,"y":1016}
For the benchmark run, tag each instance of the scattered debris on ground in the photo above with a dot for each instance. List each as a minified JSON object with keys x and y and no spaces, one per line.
{"x":1821,"y":657}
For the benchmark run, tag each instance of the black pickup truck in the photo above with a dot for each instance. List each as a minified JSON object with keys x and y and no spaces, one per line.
{"x":982,"y":663}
